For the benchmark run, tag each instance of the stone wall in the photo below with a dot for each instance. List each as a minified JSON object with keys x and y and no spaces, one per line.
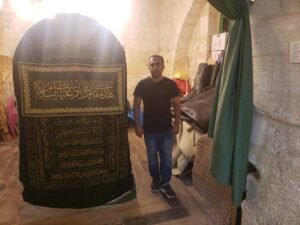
{"x":274,"y":198}
{"x":199,"y":50}
{"x":140,"y":39}
{"x":185,"y":34}
{"x":176,"y":28}
{"x":186,"y":28}
{"x":179,"y":30}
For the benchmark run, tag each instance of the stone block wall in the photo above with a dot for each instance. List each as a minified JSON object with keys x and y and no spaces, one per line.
{"x":140,"y":39}
{"x":179,"y":30}
{"x":274,"y":198}
{"x":185,"y":36}
{"x":176,"y":28}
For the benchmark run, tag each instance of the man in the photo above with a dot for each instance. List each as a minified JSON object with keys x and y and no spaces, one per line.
{"x":158,"y":94}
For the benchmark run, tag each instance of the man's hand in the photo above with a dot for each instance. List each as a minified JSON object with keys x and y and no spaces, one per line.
{"x":177,"y":112}
{"x":139,"y":131}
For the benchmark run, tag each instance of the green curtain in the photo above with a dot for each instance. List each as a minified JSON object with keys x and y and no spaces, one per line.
{"x":231,"y":119}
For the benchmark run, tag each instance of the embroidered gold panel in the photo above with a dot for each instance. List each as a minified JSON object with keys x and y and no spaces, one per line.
{"x":77,"y":152}
{"x":71,"y":89}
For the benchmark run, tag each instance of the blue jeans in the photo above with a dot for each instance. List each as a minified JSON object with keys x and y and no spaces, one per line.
{"x":159,"y":144}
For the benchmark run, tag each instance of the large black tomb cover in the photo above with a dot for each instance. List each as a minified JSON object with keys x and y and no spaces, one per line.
{"x":70,"y":83}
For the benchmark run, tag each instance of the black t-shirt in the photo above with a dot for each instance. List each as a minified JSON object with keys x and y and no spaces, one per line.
{"x":157,"y":98}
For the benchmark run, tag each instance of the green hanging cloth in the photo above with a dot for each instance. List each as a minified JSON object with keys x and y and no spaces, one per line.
{"x":231,"y":118}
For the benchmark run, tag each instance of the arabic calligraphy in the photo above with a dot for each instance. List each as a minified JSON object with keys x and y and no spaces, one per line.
{"x":64,"y":154}
{"x":78,"y":142}
{"x":78,"y":174}
{"x":73,"y":89}
{"x":78,"y":131}
{"x":81,"y":151}
{"x":80,"y":163}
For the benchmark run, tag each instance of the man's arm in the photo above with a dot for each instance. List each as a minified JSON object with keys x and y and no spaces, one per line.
{"x":177,"y":114}
{"x":136,"y":114}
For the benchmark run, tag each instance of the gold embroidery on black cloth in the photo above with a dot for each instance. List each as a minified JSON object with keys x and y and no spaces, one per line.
{"x":71,"y":89}
{"x":61,"y":154}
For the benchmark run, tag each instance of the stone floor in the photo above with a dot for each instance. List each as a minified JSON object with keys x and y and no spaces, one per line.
{"x":147,"y":209}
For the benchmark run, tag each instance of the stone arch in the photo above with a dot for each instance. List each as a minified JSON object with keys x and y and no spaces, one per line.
{"x":197,"y":10}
